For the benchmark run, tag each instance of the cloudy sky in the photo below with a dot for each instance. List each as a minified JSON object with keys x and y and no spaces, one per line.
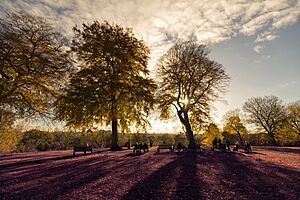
{"x":256,"y":41}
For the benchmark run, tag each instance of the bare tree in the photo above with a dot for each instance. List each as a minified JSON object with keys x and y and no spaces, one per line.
{"x":267,"y":113}
{"x":189,"y":82}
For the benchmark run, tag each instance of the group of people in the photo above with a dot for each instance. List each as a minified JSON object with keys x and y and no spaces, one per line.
{"x":221,"y":145}
{"x":225,"y":145}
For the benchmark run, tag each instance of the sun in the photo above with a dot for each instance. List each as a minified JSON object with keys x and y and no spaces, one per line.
{"x":185,"y":101}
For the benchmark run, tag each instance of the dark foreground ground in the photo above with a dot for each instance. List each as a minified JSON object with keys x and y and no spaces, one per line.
{"x":267,"y":173}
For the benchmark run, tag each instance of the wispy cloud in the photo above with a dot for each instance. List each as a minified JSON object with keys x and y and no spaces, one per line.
{"x":266,"y":36}
{"x":266,"y":56}
{"x":258,"y":48}
{"x":162,"y":22}
{"x":285,"y":85}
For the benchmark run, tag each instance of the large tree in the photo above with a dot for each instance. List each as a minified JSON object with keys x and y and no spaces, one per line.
{"x":267,"y":113}
{"x":189,"y":82}
{"x":234,"y":124}
{"x":33,"y":64}
{"x":112,"y":85}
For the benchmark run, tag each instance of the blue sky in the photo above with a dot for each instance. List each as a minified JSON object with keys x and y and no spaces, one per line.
{"x":256,"y":41}
{"x":275,"y":70}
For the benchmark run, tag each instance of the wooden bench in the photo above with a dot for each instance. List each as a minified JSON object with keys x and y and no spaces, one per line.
{"x":247,"y":149}
{"x":82,"y":149}
{"x":165,"y":146}
{"x":138,"y":148}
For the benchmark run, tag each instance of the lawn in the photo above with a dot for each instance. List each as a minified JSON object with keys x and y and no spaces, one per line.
{"x":267,"y":173}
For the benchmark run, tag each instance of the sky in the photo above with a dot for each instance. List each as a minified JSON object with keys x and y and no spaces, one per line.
{"x":256,"y":41}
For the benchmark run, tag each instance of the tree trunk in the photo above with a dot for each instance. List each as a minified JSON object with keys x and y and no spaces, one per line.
{"x":189,"y":132}
{"x":241,"y":139}
{"x":273,"y":140}
{"x":114,"y":141}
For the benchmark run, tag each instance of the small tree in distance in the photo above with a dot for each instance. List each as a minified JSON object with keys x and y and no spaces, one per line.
{"x":268,"y":113}
{"x":294,"y":117}
{"x":112,"y":85}
{"x":234,"y":124}
{"x":189,"y":82}
{"x":212,"y":131}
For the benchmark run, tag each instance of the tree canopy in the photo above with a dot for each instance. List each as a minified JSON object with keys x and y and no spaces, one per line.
{"x":34,"y":64}
{"x":268,"y":113}
{"x":189,"y":82}
{"x":112,"y":85}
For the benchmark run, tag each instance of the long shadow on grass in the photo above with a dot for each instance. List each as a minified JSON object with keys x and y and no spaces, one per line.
{"x":240,"y":176}
{"x":45,"y":160}
{"x":280,"y":149}
{"x":53,"y":182}
{"x":176,"y":180}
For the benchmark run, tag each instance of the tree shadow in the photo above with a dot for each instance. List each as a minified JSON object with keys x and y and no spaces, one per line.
{"x":260,"y":180}
{"x":55,"y":180}
{"x":205,"y":175}
{"x":161,"y":184}
{"x":281,"y":149}
{"x":34,"y":162}
{"x":42,"y":161}
{"x":134,"y":154}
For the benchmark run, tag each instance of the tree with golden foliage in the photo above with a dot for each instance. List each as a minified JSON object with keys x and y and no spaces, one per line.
{"x":112,"y":85}
{"x":34,"y":64}
{"x":234,"y":124}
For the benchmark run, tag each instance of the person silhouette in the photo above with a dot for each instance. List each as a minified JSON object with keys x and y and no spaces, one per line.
{"x":227,"y":144}
{"x":220,"y":144}
{"x":214,"y":144}
{"x":135,"y":147}
{"x":151,"y":143}
{"x":179,"y":146}
{"x":248,"y":147}
{"x":145,"y":147}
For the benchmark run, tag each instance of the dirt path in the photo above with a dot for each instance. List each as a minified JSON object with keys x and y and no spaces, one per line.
{"x":265,"y":174}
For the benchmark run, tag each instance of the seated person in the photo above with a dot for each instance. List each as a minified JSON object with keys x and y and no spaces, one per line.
{"x":248,"y":147}
{"x":145,"y":147}
{"x":214,"y":144}
{"x":236,"y":147}
{"x":227,"y":144}
{"x":179,"y":146}
{"x":135,"y":147}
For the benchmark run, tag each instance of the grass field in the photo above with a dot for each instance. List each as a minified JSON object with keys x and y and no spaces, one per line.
{"x":267,"y":173}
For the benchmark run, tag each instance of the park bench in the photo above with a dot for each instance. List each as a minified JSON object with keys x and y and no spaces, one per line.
{"x":247,"y":149}
{"x":82,"y":149}
{"x":138,"y":148}
{"x":165,"y":146}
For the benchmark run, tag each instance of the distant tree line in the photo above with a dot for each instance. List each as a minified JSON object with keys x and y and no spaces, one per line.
{"x":269,"y":122}
{"x":101,"y":77}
